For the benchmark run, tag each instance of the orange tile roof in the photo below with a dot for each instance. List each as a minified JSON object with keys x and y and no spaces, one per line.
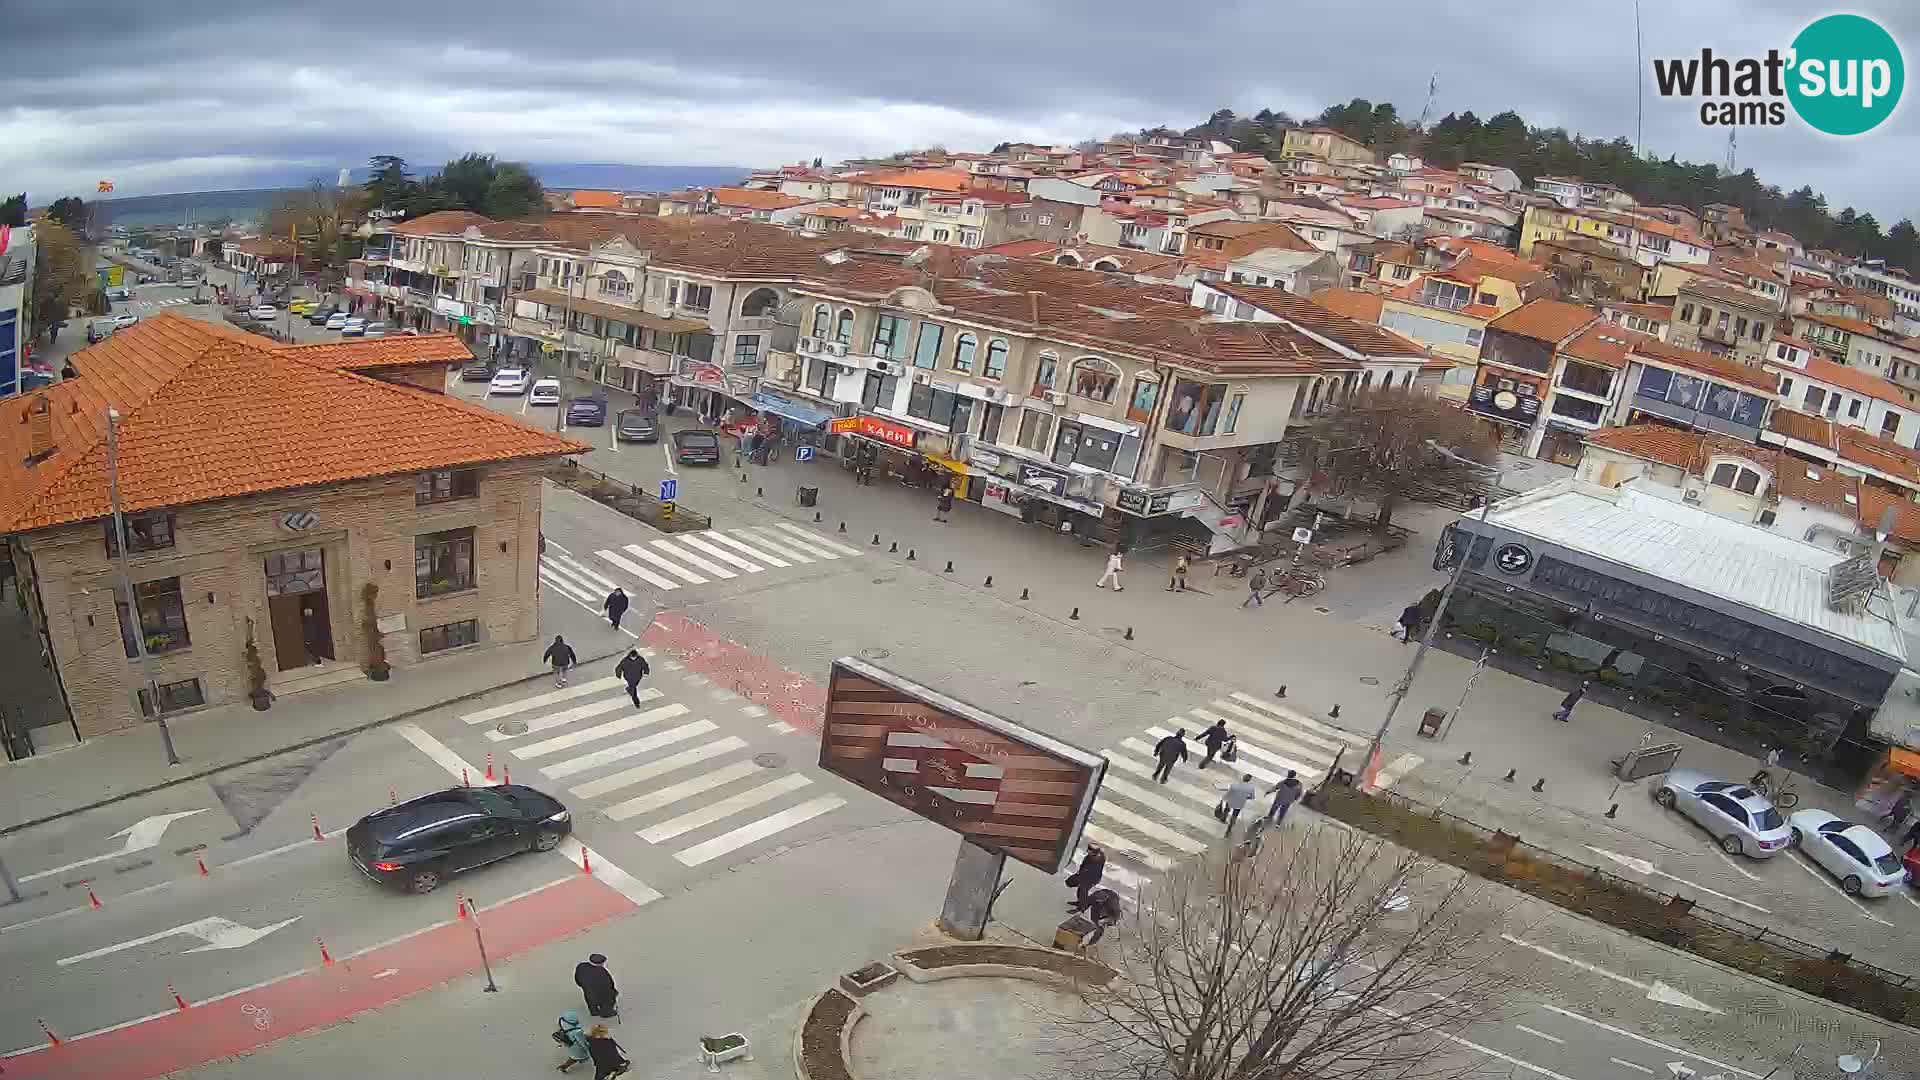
{"x":1362,"y":336}
{"x":441,"y":223}
{"x":1874,"y":502}
{"x":921,"y":179}
{"x":210,"y":412}
{"x":1669,"y":445}
{"x":403,"y":350}
{"x":755,"y":199}
{"x":1604,"y":343}
{"x":1852,"y":326}
{"x":1353,"y":303}
{"x":590,"y":197}
{"x":838,"y":213}
{"x":1817,"y":485}
{"x":1821,"y":369}
{"x":1022,"y":249}
{"x":1872,"y":451}
{"x":1801,"y":427}
{"x":1544,"y":320}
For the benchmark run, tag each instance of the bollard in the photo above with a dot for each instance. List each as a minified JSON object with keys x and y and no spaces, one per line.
{"x":989,"y":583}
{"x":876,"y":539}
{"x":1466,"y":758}
{"x":506,"y":774}
{"x":393,"y":797}
{"x":460,"y":907}
{"x":843,"y":526}
{"x":1509,"y":777}
{"x":1282,"y":692}
{"x":743,"y":478}
{"x":1023,"y":594}
{"x":489,"y":765}
{"x":52,"y":1039}
{"x":463,"y":778}
{"x":1613,"y":811}
{"x":893,"y":547}
{"x":201,"y":861}
{"x":1129,"y":636}
{"x":1075,"y":615}
{"x":911,"y":555}
{"x":759,"y":493}
{"x":326,"y":960}
{"x":1540,"y":785}
{"x":586,"y":864}
{"x":178,"y":1001}
{"x":317,"y":834}
{"x":816,"y":517}
{"x":1335,"y":712}
{"x":949,"y":568}
{"x":92,"y":900}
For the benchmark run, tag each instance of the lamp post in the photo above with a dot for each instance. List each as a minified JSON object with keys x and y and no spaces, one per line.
{"x":136,"y":630}
{"x":1405,"y":686}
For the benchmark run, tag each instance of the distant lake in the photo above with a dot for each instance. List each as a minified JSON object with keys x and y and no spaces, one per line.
{"x":196,"y":207}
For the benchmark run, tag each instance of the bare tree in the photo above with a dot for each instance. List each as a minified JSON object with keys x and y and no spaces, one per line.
{"x":323,"y":218}
{"x":1329,"y":955}
{"x":1377,"y":448}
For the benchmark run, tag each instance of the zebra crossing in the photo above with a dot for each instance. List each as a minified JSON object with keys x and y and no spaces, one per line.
{"x":1148,"y":828}
{"x":687,"y":559}
{"x":663,"y":767}
{"x":147,"y":305}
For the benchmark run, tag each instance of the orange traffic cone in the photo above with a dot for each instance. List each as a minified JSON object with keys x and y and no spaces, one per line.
{"x":325,"y":960}
{"x":52,"y":1039}
{"x":317,"y":834}
{"x":460,"y":906}
{"x":92,"y":900}
{"x":178,"y":1001}
{"x":201,"y":861}
{"x":489,"y":765}
{"x":586,"y":864}
{"x":506,"y":775}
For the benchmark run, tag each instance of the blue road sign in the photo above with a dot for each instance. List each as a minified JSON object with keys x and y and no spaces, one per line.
{"x":669,"y":489}
{"x":803,"y":453}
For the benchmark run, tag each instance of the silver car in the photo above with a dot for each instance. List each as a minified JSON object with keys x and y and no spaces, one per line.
{"x":1740,"y":818}
{"x":1864,"y":863}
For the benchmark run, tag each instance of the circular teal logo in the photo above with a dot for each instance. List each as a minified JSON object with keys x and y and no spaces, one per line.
{"x":1847,"y":75}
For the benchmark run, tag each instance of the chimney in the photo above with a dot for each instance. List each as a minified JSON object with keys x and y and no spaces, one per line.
{"x":39,"y":429}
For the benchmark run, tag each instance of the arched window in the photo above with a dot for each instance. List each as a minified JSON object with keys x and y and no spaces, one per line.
{"x":1046,"y":372}
{"x":996,"y":359}
{"x":1313,"y":398}
{"x":760,"y":303}
{"x":615,"y":283}
{"x":1109,"y":265}
{"x":822,"y":318}
{"x":1299,"y":402}
{"x":1366,"y":382}
{"x":843,"y":329}
{"x":1066,"y":258}
{"x":963,"y":350}
{"x":1094,"y":379}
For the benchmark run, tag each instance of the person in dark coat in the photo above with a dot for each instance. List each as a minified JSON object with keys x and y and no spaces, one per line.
{"x":608,"y":1058}
{"x":1215,"y":737}
{"x":1093,"y":866}
{"x":596,"y":985}
{"x":560,"y":655}
{"x":615,"y":606}
{"x":633,"y":668}
{"x":1103,"y":907}
{"x":943,"y":505}
{"x":1567,"y":703}
{"x":1409,"y":622}
{"x":1170,"y":750}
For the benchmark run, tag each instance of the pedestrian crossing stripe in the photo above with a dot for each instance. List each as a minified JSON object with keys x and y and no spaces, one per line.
{"x":709,"y":850}
{"x":593,"y":789}
{"x":813,"y":538}
{"x":623,"y":751}
{"x":721,"y":553}
{"x":685,"y":789}
{"x":680,"y":550}
{"x":613,"y":727}
{"x":722,"y":538}
{"x":727,"y":807}
{"x":638,"y":571}
{"x":578,"y":712}
{"x":501,"y":712}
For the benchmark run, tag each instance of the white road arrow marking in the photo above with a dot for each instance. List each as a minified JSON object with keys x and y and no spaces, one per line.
{"x":1638,"y":866}
{"x":1656,"y":991}
{"x":1645,"y":866}
{"x":218,"y":933}
{"x":141,"y":835}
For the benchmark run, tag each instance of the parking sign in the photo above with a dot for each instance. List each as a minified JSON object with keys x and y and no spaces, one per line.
{"x":669,"y":489}
{"x":803,"y":453}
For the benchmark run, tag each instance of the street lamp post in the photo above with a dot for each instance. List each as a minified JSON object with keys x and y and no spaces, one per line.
{"x":136,"y":630}
{"x":1405,"y":685}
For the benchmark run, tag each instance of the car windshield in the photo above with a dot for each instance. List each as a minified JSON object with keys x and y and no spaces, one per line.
{"x":698,"y":438}
{"x":1888,"y":863}
{"x":495,"y":802}
{"x":1766,"y":820}
{"x":1714,"y":785}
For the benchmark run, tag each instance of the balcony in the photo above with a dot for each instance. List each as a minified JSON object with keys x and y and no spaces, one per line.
{"x":539,"y":329}
{"x":652,"y":361}
{"x":754,"y":323}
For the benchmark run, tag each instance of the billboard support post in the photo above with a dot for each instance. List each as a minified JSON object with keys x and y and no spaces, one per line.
{"x":971,"y":892}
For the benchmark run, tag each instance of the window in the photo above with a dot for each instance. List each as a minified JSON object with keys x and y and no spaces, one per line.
{"x":1853,"y":409}
{"x":443,"y":563}
{"x":1233,"y":413}
{"x":1045,"y":374}
{"x":996,"y":359}
{"x":1095,"y":379}
{"x":746,"y":350}
{"x":1720,"y":324}
{"x":963,"y":351}
{"x":1890,"y":424}
{"x":1146,"y":392}
{"x":1786,"y":387}
{"x":1740,"y":327}
{"x":943,"y":407}
{"x":1035,"y":427}
{"x":1474,"y":335}
{"x":1815,"y":399}
{"x":843,"y":329}
{"x":163,"y":617}
{"x":822,"y":318}
{"x":435,"y":639}
{"x":1194,"y":408}
{"x":174,"y":696}
{"x":1025,"y":217}
{"x":148,"y":531}
{"x":1445,"y":294}
{"x":1729,"y":475}
{"x":887,"y":336}
{"x":1242,"y":310}
{"x":926,"y":346}
{"x":1489,"y":299}
{"x":1095,"y":448}
{"x":912,"y":232}
{"x":941,"y":236}
{"x":821,"y":377}
{"x":1587,"y":379}
{"x":696,"y":297}
{"x":446,"y":484}
{"x":673,"y":292}
{"x":1402,"y":272}
{"x":1578,"y":409}
{"x":1759,"y":329}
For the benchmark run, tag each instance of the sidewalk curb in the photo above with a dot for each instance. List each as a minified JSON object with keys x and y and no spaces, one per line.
{"x":343,"y":733}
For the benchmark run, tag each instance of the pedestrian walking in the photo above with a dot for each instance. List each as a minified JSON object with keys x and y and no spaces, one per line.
{"x":540,"y":544}
{"x":560,"y":655}
{"x":1170,"y":750}
{"x":1215,"y":737}
{"x":1112,"y":574}
{"x":573,"y":1039}
{"x":1093,"y":867}
{"x":1913,"y":834}
{"x":1256,"y":584}
{"x":609,"y":1059}
{"x":615,"y":606}
{"x":1285,"y":794}
{"x":633,"y":667}
{"x":1239,"y":794}
{"x":943,"y":505}
{"x":1409,"y":621}
{"x":1178,"y":581}
{"x":596,"y":985}
{"x":1567,"y":703}
{"x":1898,"y":813}
{"x":1103,"y":909}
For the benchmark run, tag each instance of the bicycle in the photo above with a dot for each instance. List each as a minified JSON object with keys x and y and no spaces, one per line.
{"x":1784,"y":798}
{"x":1297,"y":581}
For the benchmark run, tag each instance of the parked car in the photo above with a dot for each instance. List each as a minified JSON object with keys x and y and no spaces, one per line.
{"x":264,"y":312}
{"x":318,"y":316}
{"x":124,"y":320}
{"x":376,"y":329}
{"x":635,"y":425}
{"x":696,"y":447}
{"x":590,"y":411}
{"x":338,"y":320}
{"x":301,"y":307}
{"x":420,"y":843}
{"x":478,"y":371}
{"x":544,"y":392}
{"x":353,"y":328}
{"x":119,"y":292}
{"x":1858,"y":856}
{"x":508,"y":381}
{"x":1744,"y":821}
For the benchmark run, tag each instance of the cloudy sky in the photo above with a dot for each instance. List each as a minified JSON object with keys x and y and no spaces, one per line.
{"x":199,"y":94}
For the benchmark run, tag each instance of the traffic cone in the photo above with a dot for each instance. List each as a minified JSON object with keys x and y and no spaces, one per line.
{"x":178,"y":1001}
{"x":317,"y":834}
{"x":325,"y":959}
{"x":52,"y":1039}
{"x":463,"y":778}
{"x":586,"y":864}
{"x":460,"y":906}
{"x":393,"y":797}
{"x":92,"y":900}
{"x":506,"y":775}
{"x":201,"y":861}
{"x":489,"y":765}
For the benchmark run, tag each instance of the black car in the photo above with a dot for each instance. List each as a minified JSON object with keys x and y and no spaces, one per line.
{"x":478,"y":371}
{"x":696,"y":447}
{"x":587,"y":411}
{"x":421,"y":842}
{"x":319,"y":316}
{"x":635,"y":425}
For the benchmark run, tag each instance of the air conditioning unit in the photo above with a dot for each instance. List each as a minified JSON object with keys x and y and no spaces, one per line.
{"x":995,"y":394}
{"x":886,"y":367}
{"x":837,"y":348}
{"x":809,"y":345}
{"x":1692,"y":496}
{"x":1055,"y":397}
{"x":923,"y":377}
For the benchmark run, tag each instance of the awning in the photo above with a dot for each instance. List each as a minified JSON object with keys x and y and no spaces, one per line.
{"x":792,"y":410}
{"x":554,"y":298}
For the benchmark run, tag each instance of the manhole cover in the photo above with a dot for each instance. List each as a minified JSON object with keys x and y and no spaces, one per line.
{"x":1370,"y":680}
{"x":511,"y":727}
{"x":874,"y":654}
{"x":1324,"y":610}
{"x":769,"y":761}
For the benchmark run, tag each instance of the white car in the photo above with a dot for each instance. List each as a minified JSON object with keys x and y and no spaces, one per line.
{"x":337,"y":320}
{"x":545,"y":392}
{"x":1740,"y":818}
{"x":124,"y":320}
{"x":376,"y":329}
{"x":265,"y":312}
{"x":508,"y":381}
{"x":353,"y":328}
{"x":1864,"y":863}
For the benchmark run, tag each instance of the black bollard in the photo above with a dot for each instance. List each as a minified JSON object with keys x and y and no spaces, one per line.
{"x":949,"y":568}
{"x":893,"y":547}
{"x":876,"y":539}
{"x":1335,"y":712}
{"x":909,"y":554}
{"x":1509,"y":777}
{"x":759,"y":493}
{"x":816,"y":516}
{"x":1129,"y":633}
{"x":1613,"y":811}
{"x":1540,"y":784}
{"x":1466,"y":758}
{"x":843,"y":526}
{"x":989,"y":581}
{"x":1282,"y":692}
{"x":1075,"y":615}
{"x":1023,"y":594}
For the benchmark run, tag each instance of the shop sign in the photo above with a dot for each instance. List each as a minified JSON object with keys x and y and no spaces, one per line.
{"x":1145,"y":503}
{"x":986,"y":459}
{"x":874,"y":428}
{"x":740,"y":386}
{"x":1513,"y":559}
{"x":485,"y":313}
{"x":1043,"y":480}
{"x":946,"y":463}
{"x":451,"y":308}
{"x":695,"y":373}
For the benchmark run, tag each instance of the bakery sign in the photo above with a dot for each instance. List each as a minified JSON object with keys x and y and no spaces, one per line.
{"x":695,"y":373}
{"x":874,"y":428}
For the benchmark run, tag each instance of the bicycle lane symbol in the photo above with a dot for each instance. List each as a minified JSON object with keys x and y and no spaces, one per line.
{"x":259,"y":1014}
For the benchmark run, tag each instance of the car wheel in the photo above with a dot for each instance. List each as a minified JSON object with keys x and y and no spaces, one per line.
{"x":546,"y":841}
{"x":1730,"y":844}
{"x":1796,"y":838}
{"x":1851,"y":884}
{"x":1664,"y":797}
{"x":423,"y":881}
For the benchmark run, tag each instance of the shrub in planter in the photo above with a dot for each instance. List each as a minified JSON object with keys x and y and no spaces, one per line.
{"x":256,"y":674}
{"x":377,"y":666}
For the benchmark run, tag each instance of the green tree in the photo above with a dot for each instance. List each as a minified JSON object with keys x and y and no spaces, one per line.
{"x":323,"y":218}
{"x":61,"y":280}
{"x":514,"y":192}
{"x":14,"y":210}
{"x":478,"y":182}
{"x":388,"y":183}
{"x":70,"y":211}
